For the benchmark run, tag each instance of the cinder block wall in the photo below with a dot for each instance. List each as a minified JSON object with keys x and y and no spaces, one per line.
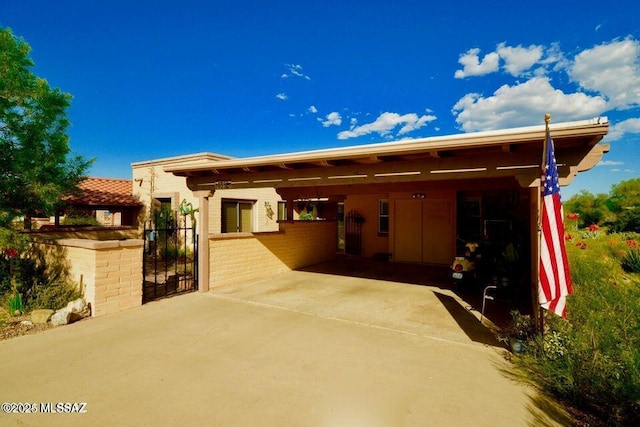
{"x":240,"y":257}
{"x":110,"y":272}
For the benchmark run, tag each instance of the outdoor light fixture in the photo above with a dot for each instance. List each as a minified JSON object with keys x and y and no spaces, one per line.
{"x":418,"y":195}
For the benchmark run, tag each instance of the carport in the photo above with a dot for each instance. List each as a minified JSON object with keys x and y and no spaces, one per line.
{"x":411,"y":199}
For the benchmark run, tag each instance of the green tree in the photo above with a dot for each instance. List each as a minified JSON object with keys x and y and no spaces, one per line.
{"x":36,"y":168}
{"x":591,"y":208}
{"x":624,"y":200}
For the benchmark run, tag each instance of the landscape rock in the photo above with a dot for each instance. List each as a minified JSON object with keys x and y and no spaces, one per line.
{"x":26,"y":323}
{"x":79,"y":310}
{"x":61,"y":317}
{"x":76,"y":306}
{"x":41,"y":316}
{"x":75,"y":310}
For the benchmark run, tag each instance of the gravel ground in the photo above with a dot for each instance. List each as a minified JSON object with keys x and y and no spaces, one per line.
{"x":11,"y":326}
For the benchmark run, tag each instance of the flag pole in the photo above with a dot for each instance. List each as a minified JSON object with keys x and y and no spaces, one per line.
{"x":543,"y":166}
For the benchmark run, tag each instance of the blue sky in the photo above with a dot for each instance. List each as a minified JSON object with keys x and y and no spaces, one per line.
{"x":153,"y":79}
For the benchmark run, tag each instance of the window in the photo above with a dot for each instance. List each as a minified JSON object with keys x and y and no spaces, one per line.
{"x":237,"y":216}
{"x":164,"y":204}
{"x":383,"y":216}
{"x":282,"y":211}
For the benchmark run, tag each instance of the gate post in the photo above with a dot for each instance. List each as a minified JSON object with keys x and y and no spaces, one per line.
{"x":203,"y":239}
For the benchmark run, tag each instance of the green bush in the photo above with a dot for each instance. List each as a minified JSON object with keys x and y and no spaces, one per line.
{"x":54,"y":296}
{"x":592,"y":361}
{"x":80,"y":220}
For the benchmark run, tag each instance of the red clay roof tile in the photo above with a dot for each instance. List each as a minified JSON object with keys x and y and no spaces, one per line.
{"x":104,"y":192}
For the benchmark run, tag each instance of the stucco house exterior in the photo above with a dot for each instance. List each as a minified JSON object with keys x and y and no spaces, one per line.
{"x":406,"y":201}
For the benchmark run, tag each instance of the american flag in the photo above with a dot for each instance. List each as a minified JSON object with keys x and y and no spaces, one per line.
{"x":555,"y":280}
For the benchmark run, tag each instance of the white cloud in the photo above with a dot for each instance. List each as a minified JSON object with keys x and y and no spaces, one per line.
{"x":519,"y":59}
{"x":516,"y":60}
{"x":612,"y":69}
{"x":352,"y":123}
{"x":282,"y":96}
{"x":524,"y":104}
{"x":386,"y":122}
{"x":332,"y":119}
{"x":609,"y":163}
{"x":295,"y":70}
{"x":618,"y":130}
{"x":312,"y":109}
{"x":472,"y":66}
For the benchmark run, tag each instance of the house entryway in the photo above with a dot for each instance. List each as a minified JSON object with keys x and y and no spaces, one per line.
{"x":169,"y":265}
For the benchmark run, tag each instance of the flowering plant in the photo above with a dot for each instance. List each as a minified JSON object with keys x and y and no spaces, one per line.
{"x":573,"y":217}
{"x":592,"y":232}
{"x":10,"y":252}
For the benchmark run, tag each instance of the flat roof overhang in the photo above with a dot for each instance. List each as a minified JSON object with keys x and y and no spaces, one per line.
{"x":515,"y":153}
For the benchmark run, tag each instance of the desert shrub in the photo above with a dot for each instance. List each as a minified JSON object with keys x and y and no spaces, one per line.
{"x":10,"y":240}
{"x":54,"y":295}
{"x":80,"y":220}
{"x":5,"y":278}
{"x":30,"y":279}
{"x":592,"y":361}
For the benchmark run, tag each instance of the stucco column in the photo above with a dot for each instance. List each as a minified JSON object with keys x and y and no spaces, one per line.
{"x":203,"y":239}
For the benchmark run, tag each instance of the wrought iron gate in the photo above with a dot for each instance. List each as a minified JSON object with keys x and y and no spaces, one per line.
{"x":353,"y":233}
{"x":169,"y":264}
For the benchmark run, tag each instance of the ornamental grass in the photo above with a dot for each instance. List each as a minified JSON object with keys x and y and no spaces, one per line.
{"x":591,"y":361}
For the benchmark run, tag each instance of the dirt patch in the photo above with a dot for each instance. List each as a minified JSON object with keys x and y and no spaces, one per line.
{"x":11,"y":327}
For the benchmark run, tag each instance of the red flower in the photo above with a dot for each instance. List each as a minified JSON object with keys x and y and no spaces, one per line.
{"x":573,"y":216}
{"x":594,"y":227}
{"x":581,"y":245}
{"x":568,"y":236}
{"x":10,"y":252}
{"x":632,"y":244}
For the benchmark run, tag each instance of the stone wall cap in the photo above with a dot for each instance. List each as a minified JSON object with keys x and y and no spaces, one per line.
{"x":100,"y":244}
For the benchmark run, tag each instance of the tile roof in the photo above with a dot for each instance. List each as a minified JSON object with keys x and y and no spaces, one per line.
{"x":104,"y":192}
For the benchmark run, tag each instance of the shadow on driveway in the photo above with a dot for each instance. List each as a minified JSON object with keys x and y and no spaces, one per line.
{"x":467,"y":321}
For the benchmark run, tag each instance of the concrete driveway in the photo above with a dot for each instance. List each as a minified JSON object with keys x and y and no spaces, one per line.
{"x":303,"y":349}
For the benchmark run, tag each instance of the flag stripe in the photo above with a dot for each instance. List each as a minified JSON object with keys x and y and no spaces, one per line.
{"x":555,"y":279}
